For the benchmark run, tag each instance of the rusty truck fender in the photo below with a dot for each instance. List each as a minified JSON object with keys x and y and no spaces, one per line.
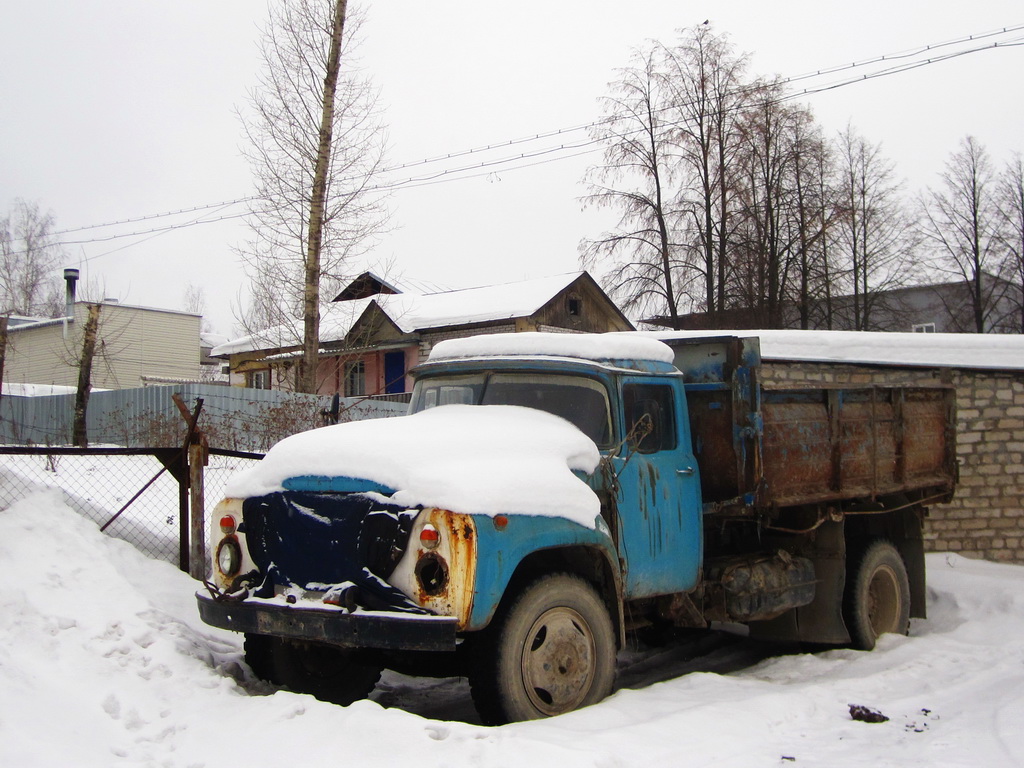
{"x":467,"y":573}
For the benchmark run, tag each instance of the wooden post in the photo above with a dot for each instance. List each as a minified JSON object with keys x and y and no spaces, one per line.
{"x":192,"y":514}
{"x":198,"y":457}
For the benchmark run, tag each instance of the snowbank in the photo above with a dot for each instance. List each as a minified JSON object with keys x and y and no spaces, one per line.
{"x":491,"y":459}
{"x":588,"y":346}
{"x":103,"y":661}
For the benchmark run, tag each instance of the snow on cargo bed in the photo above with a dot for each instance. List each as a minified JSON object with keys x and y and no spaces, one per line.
{"x":588,"y":346}
{"x":486,"y":459}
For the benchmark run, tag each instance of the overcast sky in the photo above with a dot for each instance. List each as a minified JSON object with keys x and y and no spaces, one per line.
{"x":119,"y":109}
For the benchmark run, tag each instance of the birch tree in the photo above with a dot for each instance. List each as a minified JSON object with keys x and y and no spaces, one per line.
{"x":315,"y":142}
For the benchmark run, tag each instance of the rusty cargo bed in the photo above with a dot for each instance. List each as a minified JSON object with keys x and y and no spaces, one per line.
{"x":761,"y":449}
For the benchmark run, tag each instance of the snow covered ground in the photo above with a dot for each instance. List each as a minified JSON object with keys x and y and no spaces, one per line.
{"x":103,"y":661}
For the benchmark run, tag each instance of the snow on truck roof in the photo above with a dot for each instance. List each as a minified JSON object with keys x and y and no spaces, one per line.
{"x":585,"y":346}
{"x":993,"y":351}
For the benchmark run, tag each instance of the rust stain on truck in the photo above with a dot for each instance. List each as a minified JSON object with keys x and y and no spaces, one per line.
{"x":443,"y":570}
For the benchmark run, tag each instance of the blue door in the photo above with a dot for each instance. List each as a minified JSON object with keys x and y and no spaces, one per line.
{"x":394,"y":372}
{"x":659,"y":508}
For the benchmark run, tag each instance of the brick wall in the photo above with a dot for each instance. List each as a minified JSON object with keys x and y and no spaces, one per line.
{"x":430,"y":339}
{"x":986,"y":518}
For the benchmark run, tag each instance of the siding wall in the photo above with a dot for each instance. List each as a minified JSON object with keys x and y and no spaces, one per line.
{"x":132,"y":342}
{"x":986,"y":518}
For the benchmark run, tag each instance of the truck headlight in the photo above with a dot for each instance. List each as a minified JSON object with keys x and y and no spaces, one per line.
{"x":229,"y":557}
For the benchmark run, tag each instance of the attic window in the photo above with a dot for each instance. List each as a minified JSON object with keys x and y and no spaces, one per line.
{"x":574,"y":306}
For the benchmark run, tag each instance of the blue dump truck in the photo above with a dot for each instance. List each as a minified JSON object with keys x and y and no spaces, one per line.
{"x":702,"y":496}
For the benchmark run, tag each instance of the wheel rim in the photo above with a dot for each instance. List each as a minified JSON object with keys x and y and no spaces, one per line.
{"x":885,"y":603}
{"x":558,"y":661}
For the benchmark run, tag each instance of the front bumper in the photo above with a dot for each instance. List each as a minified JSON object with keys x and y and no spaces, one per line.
{"x":399,"y":631}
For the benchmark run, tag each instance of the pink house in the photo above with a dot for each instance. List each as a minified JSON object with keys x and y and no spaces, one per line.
{"x":373,"y":333}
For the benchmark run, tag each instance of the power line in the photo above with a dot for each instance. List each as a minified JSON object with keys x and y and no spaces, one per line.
{"x":474,"y":170}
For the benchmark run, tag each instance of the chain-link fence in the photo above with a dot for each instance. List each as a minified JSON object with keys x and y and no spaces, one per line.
{"x":99,"y":483}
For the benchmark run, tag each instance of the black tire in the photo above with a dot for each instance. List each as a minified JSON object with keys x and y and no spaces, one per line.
{"x":551,"y":652}
{"x":333,"y":674}
{"x":259,"y":656}
{"x":877,"y":595}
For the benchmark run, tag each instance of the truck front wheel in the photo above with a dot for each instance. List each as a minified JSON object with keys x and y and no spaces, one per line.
{"x":337,"y":675}
{"x":552,"y":652}
{"x":877,"y":596}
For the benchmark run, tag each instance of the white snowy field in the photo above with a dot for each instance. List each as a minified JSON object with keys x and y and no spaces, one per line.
{"x":103,"y":661}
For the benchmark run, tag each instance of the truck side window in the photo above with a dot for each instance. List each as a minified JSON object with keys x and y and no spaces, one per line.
{"x":650,"y":416}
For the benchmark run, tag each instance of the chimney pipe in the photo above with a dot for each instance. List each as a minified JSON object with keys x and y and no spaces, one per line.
{"x":70,"y":278}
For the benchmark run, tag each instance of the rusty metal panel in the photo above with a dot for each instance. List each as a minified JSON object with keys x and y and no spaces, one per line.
{"x":855,"y":442}
{"x":797,"y":446}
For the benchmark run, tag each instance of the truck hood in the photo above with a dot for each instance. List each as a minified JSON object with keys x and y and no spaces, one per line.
{"x":488,"y":459}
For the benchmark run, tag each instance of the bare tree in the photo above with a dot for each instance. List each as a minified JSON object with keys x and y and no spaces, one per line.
{"x":812,"y":216}
{"x":194,"y":301}
{"x":315,"y":141}
{"x":29,"y":257}
{"x":704,"y":83}
{"x":670,"y":136}
{"x":875,"y":231}
{"x":636,"y":179}
{"x":1011,"y":230}
{"x":960,"y":221}
{"x":766,"y":246}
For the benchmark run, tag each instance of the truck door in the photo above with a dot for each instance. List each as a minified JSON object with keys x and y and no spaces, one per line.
{"x":659,"y":505}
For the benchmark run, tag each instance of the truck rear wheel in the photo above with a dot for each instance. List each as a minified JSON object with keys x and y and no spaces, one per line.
{"x":334,"y":674}
{"x":552,"y":652}
{"x":877,"y":596}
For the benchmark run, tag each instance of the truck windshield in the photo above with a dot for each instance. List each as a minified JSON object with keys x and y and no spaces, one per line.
{"x":577,"y":399}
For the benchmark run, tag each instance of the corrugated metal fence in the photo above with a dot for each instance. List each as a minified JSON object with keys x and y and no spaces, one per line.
{"x":232,"y":418}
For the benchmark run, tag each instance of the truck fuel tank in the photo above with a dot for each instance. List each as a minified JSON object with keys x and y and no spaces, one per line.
{"x":743,"y":589}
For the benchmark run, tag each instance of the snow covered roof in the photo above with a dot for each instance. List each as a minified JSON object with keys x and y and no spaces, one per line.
{"x":995,"y":351}
{"x":412,"y":312}
{"x":586,"y":346}
{"x":335,"y":323}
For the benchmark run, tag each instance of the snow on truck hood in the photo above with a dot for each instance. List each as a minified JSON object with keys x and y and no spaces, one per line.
{"x":474,"y":459}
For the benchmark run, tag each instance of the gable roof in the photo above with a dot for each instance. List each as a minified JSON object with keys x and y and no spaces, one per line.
{"x":489,"y":303}
{"x":365,"y":286}
{"x":411,"y":312}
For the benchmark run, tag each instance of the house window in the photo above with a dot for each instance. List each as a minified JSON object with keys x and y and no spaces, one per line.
{"x":924,"y":327}
{"x":574,"y":306}
{"x":355,"y":379}
{"x":258,"y":379}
